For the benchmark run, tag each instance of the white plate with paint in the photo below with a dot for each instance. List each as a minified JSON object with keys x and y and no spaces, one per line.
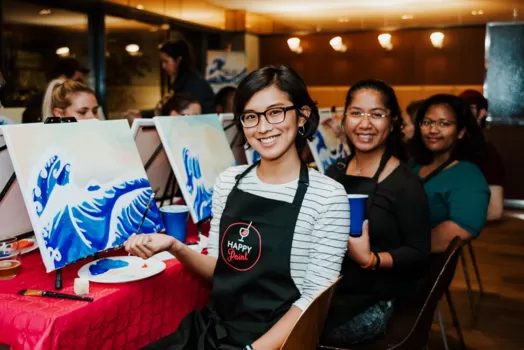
{"x":121,"y":269}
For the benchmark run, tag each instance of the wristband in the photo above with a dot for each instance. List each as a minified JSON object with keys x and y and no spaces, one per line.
{"x":249,"y":347}
{"x":371,"y":261}
{"x":376,"y":265}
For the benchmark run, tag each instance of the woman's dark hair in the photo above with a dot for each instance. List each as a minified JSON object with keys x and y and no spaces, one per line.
{"x":286,"y":80}
{"x":179,"y":48}
{"x":413,"y":108}
{"x":389,"y":99}
{"x":223,"y":94}
{"x":177,"y":102}
{"x":470,"y":148}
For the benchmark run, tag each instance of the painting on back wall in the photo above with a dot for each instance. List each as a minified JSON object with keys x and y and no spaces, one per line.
{"x":198,"y":151}
{"x":329,"y":143}
{"x":84,"y":187}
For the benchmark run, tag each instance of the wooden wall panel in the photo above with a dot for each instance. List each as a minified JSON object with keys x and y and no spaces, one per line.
{"x":413,"y":60}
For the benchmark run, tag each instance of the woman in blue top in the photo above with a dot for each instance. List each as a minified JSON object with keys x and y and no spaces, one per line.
{"x":447,"y":144}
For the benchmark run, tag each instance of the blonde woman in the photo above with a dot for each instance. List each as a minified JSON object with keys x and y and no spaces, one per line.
{"x":70,"y":99}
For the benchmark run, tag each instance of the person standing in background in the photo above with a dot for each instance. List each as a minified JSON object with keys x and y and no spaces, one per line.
{"x":178,"y":63}
{"x":66,"y":69}
{"x":408,"y":120}
{"x":177,"y":60}
{"x":491,"y":165}
{"x":224,"y":100}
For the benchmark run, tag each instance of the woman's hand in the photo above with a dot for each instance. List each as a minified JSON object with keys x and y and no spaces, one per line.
{"x":358,"y":247}
{"x":147,"y":245}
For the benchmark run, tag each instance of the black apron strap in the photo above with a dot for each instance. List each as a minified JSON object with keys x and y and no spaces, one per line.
{"x":438,"y":170}
{"x":303,"y":183}
{"x":383,"y":161}
{"x":249,"y":168}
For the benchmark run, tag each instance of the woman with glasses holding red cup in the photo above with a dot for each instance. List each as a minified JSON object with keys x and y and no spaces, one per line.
{"x":448,"y":143}
{"x":389,"y":259}
{"x":279,"y":230}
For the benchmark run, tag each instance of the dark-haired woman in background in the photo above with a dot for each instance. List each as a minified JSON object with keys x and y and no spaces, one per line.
{"x":279,"y":230}
{"x":447,"y":144}
{"x":390,"y":259}
{"x":178,"y":105}
{"x":491,"y":165}
{"x":177,"y":61}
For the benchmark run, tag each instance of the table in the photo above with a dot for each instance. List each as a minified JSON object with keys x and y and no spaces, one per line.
{"x":128,"y":315}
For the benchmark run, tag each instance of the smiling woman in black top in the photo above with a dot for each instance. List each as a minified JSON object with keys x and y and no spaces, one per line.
{"x":390,"y":258}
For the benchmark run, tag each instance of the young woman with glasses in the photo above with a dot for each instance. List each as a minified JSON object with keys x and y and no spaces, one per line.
{"x":447,"y":144}
{"x":279,"y":230}
{"x":389,"y":260}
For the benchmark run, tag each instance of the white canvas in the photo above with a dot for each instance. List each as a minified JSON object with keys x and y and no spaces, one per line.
{"x":198,"y":151}
{"x":328,"y":144}
{"x":84,"y":187}
{"x":14,"y":219}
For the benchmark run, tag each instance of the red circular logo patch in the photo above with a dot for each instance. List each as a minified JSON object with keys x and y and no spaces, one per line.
{"x":241,"y":246}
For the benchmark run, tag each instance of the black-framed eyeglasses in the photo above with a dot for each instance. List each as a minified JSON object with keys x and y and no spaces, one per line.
{"x":274,"y":115}
{"x":439,"y":124}
{"x":377,"y":115}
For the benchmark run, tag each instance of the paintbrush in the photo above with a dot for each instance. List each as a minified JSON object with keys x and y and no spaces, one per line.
{"x":144,"y":216}
{"x":43,"y":293}
{"x":145,"y":213}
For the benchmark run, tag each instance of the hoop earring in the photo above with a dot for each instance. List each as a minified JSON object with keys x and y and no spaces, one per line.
{"x":302,"y":130}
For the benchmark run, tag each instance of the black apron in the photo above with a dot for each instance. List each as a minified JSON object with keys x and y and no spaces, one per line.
{"x":361,"y":184}
{"x":252,"y":284}
{"x":347,"y":302}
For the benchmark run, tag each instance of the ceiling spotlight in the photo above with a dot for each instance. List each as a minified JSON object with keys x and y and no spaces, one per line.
{"x":165,"y":26}
{"x":407,"y":17}
{"x":478,"y":12}
{"x":294,"y":45}
{"x":437,"y":39}
{"x":385,"y":41}
{"x":44,"y":12}
{"x":337,"y":44}
{"x":132,"y":48}
{"x":343,"y":20}
{"x":63,"y":51}
{"x":140,"y":6}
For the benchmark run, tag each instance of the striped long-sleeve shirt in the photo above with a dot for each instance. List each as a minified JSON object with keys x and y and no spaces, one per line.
{"x":321,"y":232}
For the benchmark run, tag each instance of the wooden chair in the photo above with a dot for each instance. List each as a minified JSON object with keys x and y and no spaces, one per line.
{"x":411,"y":321}
{"x":306,"y":332}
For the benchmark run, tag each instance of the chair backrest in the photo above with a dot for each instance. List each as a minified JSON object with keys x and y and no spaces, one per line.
{"x":306,"y":332}
{"x":441,"y":274}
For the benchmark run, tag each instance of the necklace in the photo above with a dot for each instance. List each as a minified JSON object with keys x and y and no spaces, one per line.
{"x":359,"y":169}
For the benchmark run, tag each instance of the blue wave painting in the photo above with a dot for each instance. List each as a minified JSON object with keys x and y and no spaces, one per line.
{"x":327,"y":156}
{"x":202,"y":196}
{"x":218,"y":74}
{"x":79,"y":222}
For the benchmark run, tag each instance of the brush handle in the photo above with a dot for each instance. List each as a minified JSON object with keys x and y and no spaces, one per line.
{"x":65,"y":296}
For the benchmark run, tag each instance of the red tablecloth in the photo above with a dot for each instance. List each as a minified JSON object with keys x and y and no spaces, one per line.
{"x":128,"y":315}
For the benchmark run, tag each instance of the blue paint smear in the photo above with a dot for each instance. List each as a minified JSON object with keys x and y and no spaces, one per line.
{"x":202,"y":196}
{"x":103,"y":219}
{"x":104,"y":265}
{"x":327,"y":156}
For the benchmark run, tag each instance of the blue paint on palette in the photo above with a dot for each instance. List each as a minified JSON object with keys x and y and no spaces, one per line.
{"x":196,"y":186}
{"x":84,"y":221}
{"x":103,"y":265}
{"x":327,"y":156}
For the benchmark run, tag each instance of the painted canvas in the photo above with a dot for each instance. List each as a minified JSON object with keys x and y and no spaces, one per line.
{"x":329,"y":143}
{"x":198,"y":151}
{"x":84,"y":187}
{"x":225,"y":68}
{"x":13,"y":213}
{"x":153,"y":157}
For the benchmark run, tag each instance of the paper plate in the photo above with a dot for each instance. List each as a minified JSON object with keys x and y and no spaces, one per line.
{"x":121,"y":269}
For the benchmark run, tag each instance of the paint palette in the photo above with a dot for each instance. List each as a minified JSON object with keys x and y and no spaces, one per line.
{"x":121,"y":269}
{"x":27,"y":245}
